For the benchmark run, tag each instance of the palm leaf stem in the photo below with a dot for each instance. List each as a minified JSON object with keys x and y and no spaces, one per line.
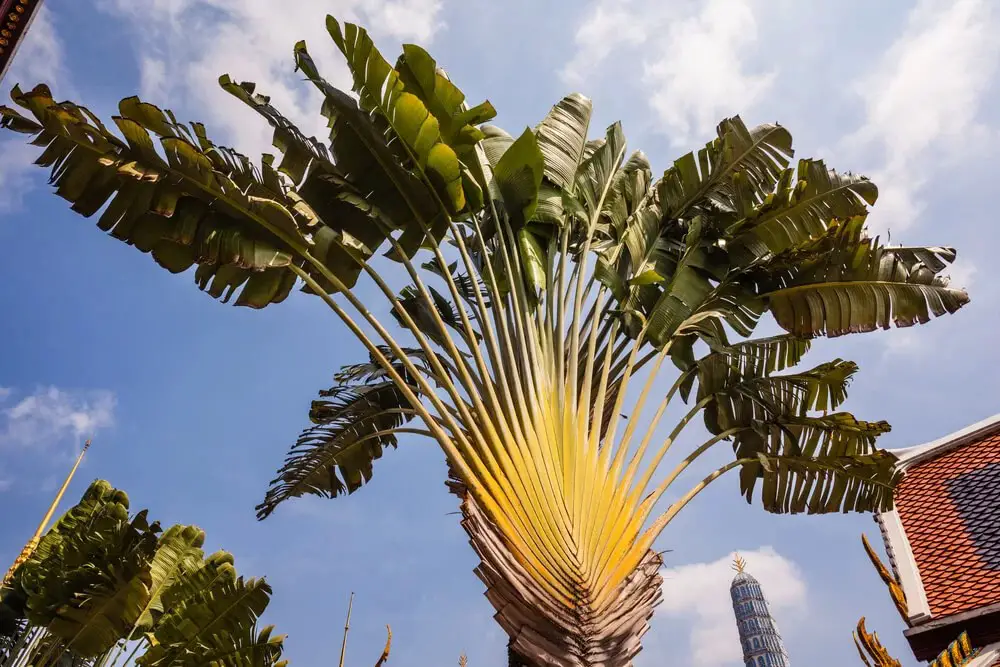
{"x":461,"y":454}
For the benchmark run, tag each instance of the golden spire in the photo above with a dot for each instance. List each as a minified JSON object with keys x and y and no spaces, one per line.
{"x":347,"y":628}
{"x":32,"y":544}
{"x":739,"y":564}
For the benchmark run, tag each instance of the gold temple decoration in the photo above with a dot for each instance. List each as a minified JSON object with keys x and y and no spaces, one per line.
{"x":739,"y":564}
{"x":958,"y":653}
{"x":388,"y":646}
{"x":32,"y":544}
{"x":895,"y":589}
{"x":869,"y":644}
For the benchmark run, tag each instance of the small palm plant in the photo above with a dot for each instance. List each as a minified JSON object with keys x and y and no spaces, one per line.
{"x":108,"y":589}
{"x":550,"y":279}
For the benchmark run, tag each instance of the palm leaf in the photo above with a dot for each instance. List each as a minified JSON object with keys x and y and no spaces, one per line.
{"x":360,"y":148}
{"x":759,"y":155}
{"x":178,"y":552}
{"x":381,"y":87}
{"x":562,"y":135}
{"x":186,"y":633}
{"x":248,"y":648}
{"x":84,"y":602}
{"x":817,"y":465}
{"x":298,"y":151}
{"x":851,"y":284}
{"x":201,"y":204}
{"x":353,"y":424}
{"x":802,"y":211}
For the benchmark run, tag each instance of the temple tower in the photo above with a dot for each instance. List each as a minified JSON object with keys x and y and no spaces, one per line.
{"x":759,"y":636}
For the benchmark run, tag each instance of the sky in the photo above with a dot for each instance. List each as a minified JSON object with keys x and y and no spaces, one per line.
{"x":192,"y":404}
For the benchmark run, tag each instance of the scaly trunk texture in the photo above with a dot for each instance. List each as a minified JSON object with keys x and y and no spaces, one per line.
{"x":545,"y":632}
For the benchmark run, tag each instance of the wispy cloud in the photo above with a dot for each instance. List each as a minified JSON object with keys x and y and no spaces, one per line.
{"x":185,"y":45}
{"x":694,"y":58}
{"x":51,"y":415}
{"x":923,"y":102}
{"x":699,"y":594}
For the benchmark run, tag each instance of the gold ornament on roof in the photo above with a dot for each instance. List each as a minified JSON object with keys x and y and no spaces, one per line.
{"x":739,"y":564}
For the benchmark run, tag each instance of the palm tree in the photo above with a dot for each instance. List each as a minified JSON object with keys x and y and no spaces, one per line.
{"x":105,"y":588}
{"x":566,"y":276}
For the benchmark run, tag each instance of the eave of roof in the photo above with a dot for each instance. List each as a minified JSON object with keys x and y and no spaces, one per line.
{"x":910,"y":456}
{"x":16,"y":30}
{"x":929,"y":639}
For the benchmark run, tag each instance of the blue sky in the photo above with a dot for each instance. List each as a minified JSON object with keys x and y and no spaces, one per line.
{"x":193,"y":404}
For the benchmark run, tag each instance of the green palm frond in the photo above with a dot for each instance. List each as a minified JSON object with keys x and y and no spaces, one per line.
{"x":758,"y":155}
{"x":817,"y":464}
{"x":178,"y":552}
{"x":72,"y":592}
{"x":844,"y":283}
{"x":353,"y":423}
{"x":188,"y":634}
{"x":800,"y":211}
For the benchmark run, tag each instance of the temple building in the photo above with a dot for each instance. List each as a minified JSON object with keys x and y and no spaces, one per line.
{"x":15,"y":19}
{"x":759,"y":636}
{"x":943,"y":542}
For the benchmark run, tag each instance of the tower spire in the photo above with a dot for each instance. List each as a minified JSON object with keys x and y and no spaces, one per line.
{"x":739,"y":564}
{"x":32,"y":544}
{"x":761,"y":643}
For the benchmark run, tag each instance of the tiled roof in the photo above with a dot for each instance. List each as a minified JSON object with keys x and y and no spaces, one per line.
{"x":950,"y":509}
{"x":15,"y":16}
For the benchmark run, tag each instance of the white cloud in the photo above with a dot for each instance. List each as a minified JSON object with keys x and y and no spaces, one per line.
{"x":4,"y":393}
{"x":904,"y":343}
{"x":962,"y":273}
{"x":699,"y":593}
{"x":16,"y":156}
{"x":185,"y":45}
{"x":609,"y":26}
{"x":922,"y":101}
{"x":698,"y":74}
{"x":694,"y":62}
{"x":39,"y":60}
{"x":51,"y":415}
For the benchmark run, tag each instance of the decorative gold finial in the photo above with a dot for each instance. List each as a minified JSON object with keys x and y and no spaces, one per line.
{"x":347,"y":628}
{"x":739,"y":564}
{"x":32,"y":544}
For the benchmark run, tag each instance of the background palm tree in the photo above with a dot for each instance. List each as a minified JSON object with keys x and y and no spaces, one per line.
{"x":567,"y":276}
{"x":106,"y":587}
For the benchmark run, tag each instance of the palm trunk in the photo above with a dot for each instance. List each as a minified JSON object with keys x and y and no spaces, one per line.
{"x":547,"y":633}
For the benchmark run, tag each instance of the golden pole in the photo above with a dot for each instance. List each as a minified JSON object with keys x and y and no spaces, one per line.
{"x":347,"y":627}
{"x":32,"y":544}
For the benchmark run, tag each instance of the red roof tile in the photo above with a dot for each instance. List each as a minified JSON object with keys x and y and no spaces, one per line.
{"x":950,"y":510}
